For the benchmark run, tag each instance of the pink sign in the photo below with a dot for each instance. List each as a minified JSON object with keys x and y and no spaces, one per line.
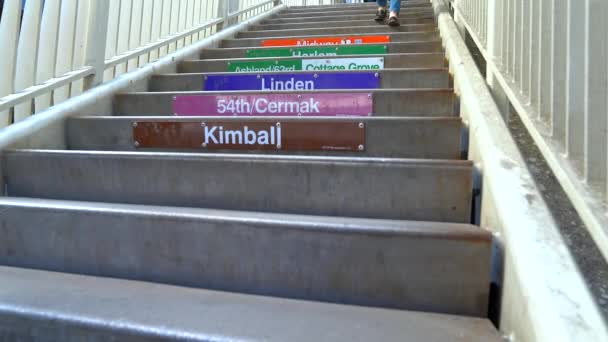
{"x":325,"y":104}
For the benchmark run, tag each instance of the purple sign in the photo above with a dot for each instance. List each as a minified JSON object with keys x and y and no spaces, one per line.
{"x":326,"y":104}
{"x":296,"y":81}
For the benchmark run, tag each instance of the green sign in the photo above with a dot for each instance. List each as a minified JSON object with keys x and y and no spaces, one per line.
{"x":362,"y":63}
{"x":318,"y":51}
{"x":265,"y":66}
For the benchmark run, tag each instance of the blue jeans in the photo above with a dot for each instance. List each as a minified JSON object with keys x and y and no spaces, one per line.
{"x":395,"y":5}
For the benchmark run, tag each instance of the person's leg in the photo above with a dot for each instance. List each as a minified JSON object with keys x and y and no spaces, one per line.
{"x":393,"y":19}
{"x":381,"y":12}
{"x":395,"y":7}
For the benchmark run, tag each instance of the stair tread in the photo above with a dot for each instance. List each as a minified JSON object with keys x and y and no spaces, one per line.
{"x":381,"y":263}
{"x":438,"y":190}
{"x":102,"y":307}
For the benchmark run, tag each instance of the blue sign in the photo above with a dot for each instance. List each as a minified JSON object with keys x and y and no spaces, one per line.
{"x":299,"y":81}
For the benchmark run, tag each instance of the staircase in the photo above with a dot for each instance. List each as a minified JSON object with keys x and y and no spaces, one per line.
{"x":265,"y":192}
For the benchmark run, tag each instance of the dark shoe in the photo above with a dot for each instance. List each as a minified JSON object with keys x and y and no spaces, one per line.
{"x":380,"y":15}
{"x":393,"y":21}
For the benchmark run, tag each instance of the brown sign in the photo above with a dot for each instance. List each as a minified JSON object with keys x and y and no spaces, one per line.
{"x":320,"y":135}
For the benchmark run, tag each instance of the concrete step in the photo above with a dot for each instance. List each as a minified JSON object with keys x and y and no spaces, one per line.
{"x":399,"y":37}
{"x":369,"y":30}
{"x":345,"y":7}
{"x":385,"y":102}
{"x":391,"y":61}
{"x":422,"y":266}
{"x":48,"y":307}
{"x":331,"y":14}
{"x":437,"y":138}
{"x":410,"y":189}
{"x":389,"y":78}
{"x":338,"y":23}
{"x":367,"y":15}
{"x":407,"y":47}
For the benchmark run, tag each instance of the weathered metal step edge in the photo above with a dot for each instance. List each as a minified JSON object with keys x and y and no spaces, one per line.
{"x":436,"y":138}
{"x":406,"y":47}
{"x":366,"y":16}
{"x":371,"y":5}
{"x":429,"y":32}
{"x":408,"y":265}
{"x":430,"y":190}
{"x":386,"y":102}
{"x":396,"y":37}
{"x":336,"y":31}
{"x":391,"y":61}
{"x":49,"y":307}
{"x":388,"y":78}
{"x":338,"y":13}
{"x":339,"y":23}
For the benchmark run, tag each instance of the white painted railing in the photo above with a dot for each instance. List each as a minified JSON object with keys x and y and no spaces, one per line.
{"x":56,"y":49}
{"x":549,"y":58}
{"x":312,"y":2}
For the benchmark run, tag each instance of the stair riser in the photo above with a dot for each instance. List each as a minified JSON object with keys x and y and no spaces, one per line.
{"x":367,"y":30}
{"x":346,"y":17}
{"x":424,"y":60}
{"x":404,"y":21}
{"x":438,"y":78}
{"x":339,"y":13}
{"x":345,"y":7}
{"x":42,"y":306}
{"x":385,"y":102}
{"x":395,"y":138}
{"x":421,"y":36}
{"x":409,"y":47}
{"x":350,"y":187}
{"x":394,"y":270}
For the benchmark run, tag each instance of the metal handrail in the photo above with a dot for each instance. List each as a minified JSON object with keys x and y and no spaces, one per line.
{"x":58,"y":49}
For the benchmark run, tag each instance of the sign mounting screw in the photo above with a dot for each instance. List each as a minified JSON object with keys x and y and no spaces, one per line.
{"x":203,"y":145}
{"x":278,"y":146}
{"x":361,"y":147}
{"x":278,"y":124}
{"x":361,"y":125}
{"x":135,"y":124}
{"x":136,"y":143}
{"x":203,"y":124}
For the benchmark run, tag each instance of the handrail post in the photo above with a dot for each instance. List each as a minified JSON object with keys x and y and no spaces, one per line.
{"x":223,"y":12}
{"x":493,"y":46}
{"x":96,"y":41}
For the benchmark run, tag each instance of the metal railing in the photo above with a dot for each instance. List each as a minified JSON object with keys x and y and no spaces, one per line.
{"x":312,"y":2}
{"x":549,"y":59}
{"x":56,"y":49}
